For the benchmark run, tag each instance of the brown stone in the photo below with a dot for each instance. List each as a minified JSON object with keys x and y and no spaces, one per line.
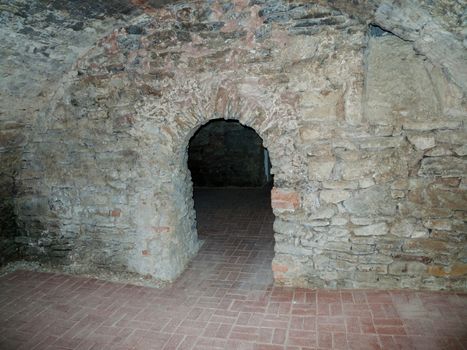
{"x":161,"y":229}
{"x":279,"y":267}
{"x":455,"y":270}
{"x":115,"y":213}
{"x":283,"y":199}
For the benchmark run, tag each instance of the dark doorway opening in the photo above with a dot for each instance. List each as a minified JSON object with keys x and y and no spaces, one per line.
{"x":232,"y":181}
{"x":226,"y":153}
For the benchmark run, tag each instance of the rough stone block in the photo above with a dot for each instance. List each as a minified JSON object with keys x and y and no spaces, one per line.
{"x":288,"y":228}
{"x":456,"y":270}
{"x":461,"y":151}
{"x":379,"y":229}
{"x":380,"y":142}
{"x":341,"y":185}
{"x":443,"y":166}
{"x":403,"y":228}
{"x":422,"y":142}
{"x":320,"y":169}
{"x":427,"y":125}
{"x":451,"y":137}
{"x":438,"y":224}
{"x":410,"y":268}
{"x":375,"y":200}
{"x":324,"y":212}
{"x":334,"y":196}
{"x":308,"y":134}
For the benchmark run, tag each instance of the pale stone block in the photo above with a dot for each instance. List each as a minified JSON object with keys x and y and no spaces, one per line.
{"x":352,"y":103}
{"x":323,"y":213}
{"x":453,"y":137}
{"x":340,"y":185}
{"x":438,"y":224}
{"x":397,"y":194}
{"x":439,"y":151}
{"x":378,"y":229}
{"x":427,"y":125}
{"x":375,"y":259}
{"x":419,"y":233}
{"x":320,"y":169}
{"x":462,"y":150}
{"x":309,"y":134}
{"x":365,"y":183}
{"x":378,"y":268}
{"x":339,"y":221}
{"x":361,"y":220}
{"x":380,"y":142}
{"x":403,"y":228}
{"x":443,"y":166}
{"x":422,"y":142}
{"x":334,"y":196}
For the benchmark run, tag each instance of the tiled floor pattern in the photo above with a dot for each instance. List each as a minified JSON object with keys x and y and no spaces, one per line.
{"x":224,"y":300}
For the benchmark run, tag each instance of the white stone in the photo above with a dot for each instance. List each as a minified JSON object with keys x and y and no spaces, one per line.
{"x":438,"y":151}
{"x":419,"y":233}
{"x":361,"y":220}
{"x":365,"y":183}
{"x":462,"y":150}
{"x":339,"y":221}
{"x":380,"y":142}
{"x":422,"y":142}
{"x":309,"y":134}
{"x":320,"y":169}
{"x":323,"y":213}
{"x":427,"y":125}
{"x":340,"y":185}
{"x":403,"y":228}
{"x":334,"y":196}
{"x":378,"y":229}
{"x":397,"y":194}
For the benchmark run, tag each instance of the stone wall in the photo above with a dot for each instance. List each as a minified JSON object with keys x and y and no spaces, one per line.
{"x":39,"y":42}
{"x":365,"y":129}
{"x":226,"y":154}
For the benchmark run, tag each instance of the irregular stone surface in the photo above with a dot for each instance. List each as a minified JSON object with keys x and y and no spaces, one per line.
{"x":443,"y":166}
{"x":334,"y":196}
{"x":375,"y":200}
{"x":320,"y":169}
{"x":40,"y":41}
{"x":413,"y":23}
{"x":365,"y":127}
{"x":422,"y":142}
{"x":379,"y":229}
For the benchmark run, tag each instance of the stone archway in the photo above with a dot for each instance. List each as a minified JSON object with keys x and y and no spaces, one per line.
{"x":170,"y":244}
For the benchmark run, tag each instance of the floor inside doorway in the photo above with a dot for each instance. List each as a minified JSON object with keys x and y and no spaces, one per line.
{"x":224,"y":300}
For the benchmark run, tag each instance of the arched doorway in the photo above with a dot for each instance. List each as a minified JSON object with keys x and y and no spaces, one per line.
{"x":232,"y":181}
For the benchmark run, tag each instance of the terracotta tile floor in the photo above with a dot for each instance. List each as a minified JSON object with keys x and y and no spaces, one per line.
{"x":224,"y":300}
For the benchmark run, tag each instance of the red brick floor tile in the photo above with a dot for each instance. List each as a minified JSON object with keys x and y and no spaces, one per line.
{"x":224,"y":300}
{"x":363,"y":342}
{"x":279,"y":336}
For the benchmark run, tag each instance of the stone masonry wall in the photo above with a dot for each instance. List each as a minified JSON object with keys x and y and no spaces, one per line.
{"x":39,"y":42}
{"x":366,"y":136}
{"x":226,"y":154}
